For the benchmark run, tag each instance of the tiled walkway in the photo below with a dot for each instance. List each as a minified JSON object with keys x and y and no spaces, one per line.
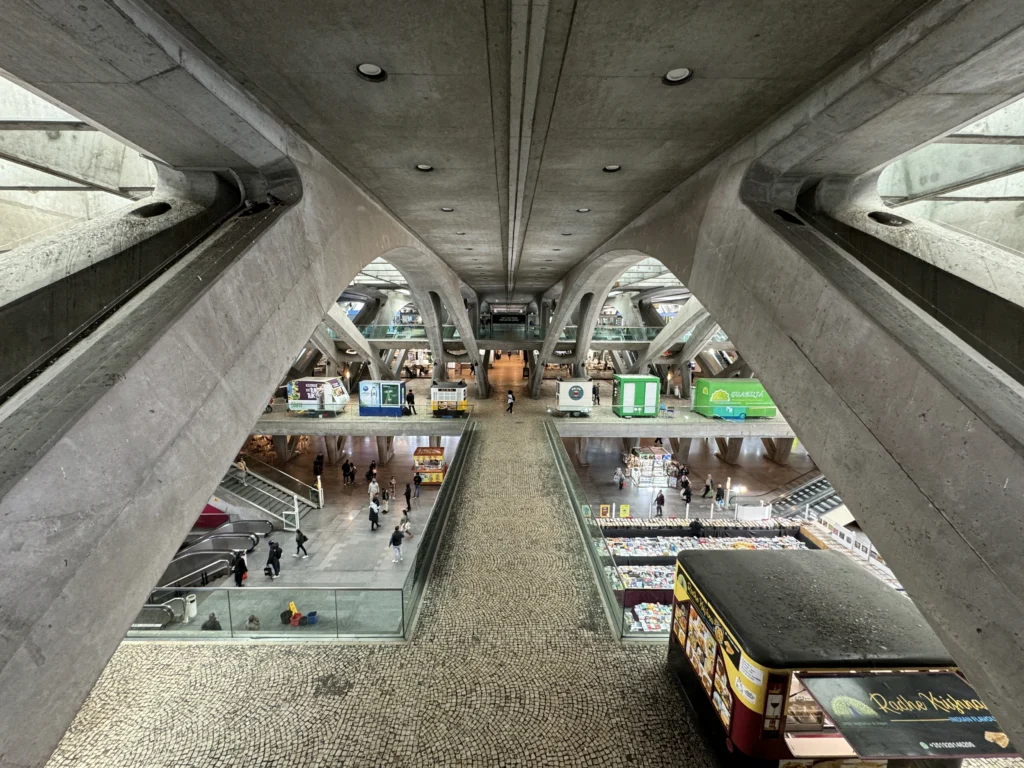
{"x":512,"y":664}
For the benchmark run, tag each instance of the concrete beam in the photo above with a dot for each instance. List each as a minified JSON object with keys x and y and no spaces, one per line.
{"x":339,"y":322}
{"x":684,"y":425}
{"x":691,"y":314}
{"x":777,"y":450}
{"x":350,"y":423}
{"x":699,"y":339}
{"x":729,"y":449}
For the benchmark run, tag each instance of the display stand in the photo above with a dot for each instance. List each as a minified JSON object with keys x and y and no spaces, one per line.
{"x":430,"y":464}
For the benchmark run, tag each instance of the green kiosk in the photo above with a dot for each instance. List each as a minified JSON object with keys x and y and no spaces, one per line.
{"x":635,"y":395}
{"x":732,"y":399}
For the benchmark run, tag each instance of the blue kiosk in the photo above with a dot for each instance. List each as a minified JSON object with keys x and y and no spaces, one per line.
{"x":381,"y":398}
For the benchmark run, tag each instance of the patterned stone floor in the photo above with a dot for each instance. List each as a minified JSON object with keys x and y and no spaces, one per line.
{"x":512,"y":664}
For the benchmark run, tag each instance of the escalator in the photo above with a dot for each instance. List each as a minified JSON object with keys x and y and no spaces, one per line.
{"x":285,"y":508}
{"x":811,"y":500}
{"x":221,"y":542}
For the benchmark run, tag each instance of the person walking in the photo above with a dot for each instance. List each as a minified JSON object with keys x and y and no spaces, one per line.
{"x":417,"y":481}
{"x":239,"y":569}
{"x":240,"y":463}
{"x":687,"y":494}
{"x":274,"y":559}
{"x":394,"y":487}
{"x":345,"y":467}
{"x":511,"y":401}
{"x":300,"y":544}
{"x":708,"y":485}
{"x":374,"y":517}
{"x":374,"y":487}
{"x":410,"y":401}
{"x":405,"y":526}
{"x":396,"y":544}
{"x":596,"y":392}
{"x":659,"y":504}
{"x":408,"y":497}
{"x":318,"y":465}
{"x":720,"y":496}
{"x":619,"y":478}
{"x":385,"y":498}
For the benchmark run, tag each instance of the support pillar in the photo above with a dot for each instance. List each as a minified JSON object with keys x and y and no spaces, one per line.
{"x":385,"y":449}
{"x":629,"y":443}
{"x":681,"y":449}
{"x":332,"y":449}
{"x":778,"y":449}
{"x":582,"y":446}
{"x":435,"y":441}
{"x":483,"y":383}
{"x":729,"y":450}
{"x":708,"y":364}
{"x":284,"y":447}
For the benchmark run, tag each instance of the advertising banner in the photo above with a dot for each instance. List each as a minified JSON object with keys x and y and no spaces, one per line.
{"x":369,"y":393}
{"x":744,"y":392}
{"x":910,"y":715}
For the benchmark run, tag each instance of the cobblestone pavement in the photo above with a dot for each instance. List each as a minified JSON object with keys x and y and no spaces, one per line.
{"x":513,"y":663}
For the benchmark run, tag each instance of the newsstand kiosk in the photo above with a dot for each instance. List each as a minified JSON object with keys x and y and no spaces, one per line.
{"x":806,"y":659}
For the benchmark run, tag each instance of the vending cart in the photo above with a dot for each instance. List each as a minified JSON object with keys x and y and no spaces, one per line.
{"x":635,"y":395}
{"x":732,"y":399}
{"x":805,"y":658}
{"x":449,"y":400}
{"x":430,"y":464}
{"x":381,"y":398}
{"x":574,"y":396}
{"x":317,"y":396}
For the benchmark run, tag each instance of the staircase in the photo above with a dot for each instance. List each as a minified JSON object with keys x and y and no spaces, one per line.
{"x":816,"y":497}
{"x":284,"y":508}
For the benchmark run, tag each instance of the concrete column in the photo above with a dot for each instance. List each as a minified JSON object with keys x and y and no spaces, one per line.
{"x":284,"y":447}
{"x":385,"y":449}
{"x":332,"y":448}
{"x":778,"y":449}
{"x":435,"y":441}
{"x":708,"y":364}
{"x":729,"y":450}
{"x":582,"y":446}
{"x":629,"y":443}
{"x":681,"y":449}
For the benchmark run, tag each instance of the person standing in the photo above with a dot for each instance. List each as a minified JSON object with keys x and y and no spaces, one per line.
{"x":511,"y":401}
{"x":274,"y":560}
{"x":617,"y":477}
{"x":239,"y":569}
{"x":708,"y":485}
{"x":396,"y":544}
{"x":410,"y":401}
{"x":394,"y":487}
{"x":417,"y":481}
{"x":385,"y":498}
{"x":374,"y":517}
{"x":659,"y":504}
{"x":318,"y":465}
{"x":408,"y":497}
{"x":344,"y":472}
{"x":240,"y":463}
{"x":300,"y":544}
{"x":720,"y":496}
{"x":374,"y":487}
{"x":212,"y":624}
{"x":596,"y":392}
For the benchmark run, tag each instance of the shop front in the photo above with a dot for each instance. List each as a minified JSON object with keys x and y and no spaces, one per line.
{"x":429,"y":463}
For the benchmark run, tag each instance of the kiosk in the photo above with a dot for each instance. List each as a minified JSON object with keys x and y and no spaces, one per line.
{"x":449,"y":400}
{"x":317,"y":396}
{"x":635,"y":395}
{"x":381,"y":398}
{"x":430,"y":464}
{"x":574,"y":396}
{"x":732,"y":399}
{"x":805,"y":658}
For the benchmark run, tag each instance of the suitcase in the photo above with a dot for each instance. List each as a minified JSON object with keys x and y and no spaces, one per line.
{"x":286,"y":617}
{"x":296,"y":617}
{"x":268,"y":571}
{"x":312,"y":618}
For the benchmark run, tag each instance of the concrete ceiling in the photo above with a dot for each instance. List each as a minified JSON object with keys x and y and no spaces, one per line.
{"x":583,"y":77}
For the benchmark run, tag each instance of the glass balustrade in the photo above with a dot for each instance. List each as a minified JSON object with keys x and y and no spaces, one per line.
{"x":605,"y":333}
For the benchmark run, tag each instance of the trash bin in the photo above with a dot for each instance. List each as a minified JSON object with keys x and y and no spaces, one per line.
{"x":526,"y":371}
{"x":191,"y":608}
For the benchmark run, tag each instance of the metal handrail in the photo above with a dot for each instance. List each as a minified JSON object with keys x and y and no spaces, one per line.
{"x":315,"y":495}
{"x":284,"y":520}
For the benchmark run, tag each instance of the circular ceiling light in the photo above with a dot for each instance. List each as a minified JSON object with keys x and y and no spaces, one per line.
{"x":469,"y":249}
{"x":460,"y":233}
{"x":371,"y":72}
{"x":677,"y":76}
{"x":612,"y":168}
{"x":567,"y":234}
{"x":582,"y":210}
{"x":446,"y":209}
{"x":556,"y":249}
{"x":424,"y":167}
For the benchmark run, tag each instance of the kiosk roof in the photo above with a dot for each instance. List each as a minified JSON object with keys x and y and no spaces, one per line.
{"x":806,"y":609}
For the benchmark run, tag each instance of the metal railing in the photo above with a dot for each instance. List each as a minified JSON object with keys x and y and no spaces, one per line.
{"x":289,"y":520}
{"x":499,"y":332}
{"x":287,"y":482}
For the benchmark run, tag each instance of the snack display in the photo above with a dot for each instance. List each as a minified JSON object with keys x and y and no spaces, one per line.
{"x":670,"y":546}
{"x":641,"y":576}
{"x":649,"y":617}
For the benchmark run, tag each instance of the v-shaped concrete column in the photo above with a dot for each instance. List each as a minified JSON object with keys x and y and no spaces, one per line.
{"x":688,"y":316}
{"x":340,"y":323}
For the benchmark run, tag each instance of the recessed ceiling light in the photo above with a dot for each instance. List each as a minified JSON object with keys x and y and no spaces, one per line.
{"x":547,"y":259}
{"x":372,"y":72}
{"x":424,"y":167}
{"x":556,"y":249}
{"x":469,"y":249}
{"x":677,"y":76}
{"x":582,"y":210}
{"x":612,"y":168}
{"x":446,"y":209}
{"x":460,"y":233}
{"x":567,"y":234}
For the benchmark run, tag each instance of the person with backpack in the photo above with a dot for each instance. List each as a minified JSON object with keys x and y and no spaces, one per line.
{"x":300,"y":544}
{"x":397,"y":537}
{"x":660,"y":503}
{"x":511,"y":400}
{"x":274,"y":560}
{"x":374,"y":517}
{"x":417,"y":480}
{"x":239,"y":569}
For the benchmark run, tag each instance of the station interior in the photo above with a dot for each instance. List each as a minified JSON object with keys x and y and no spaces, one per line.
{"x":512,"y":383}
